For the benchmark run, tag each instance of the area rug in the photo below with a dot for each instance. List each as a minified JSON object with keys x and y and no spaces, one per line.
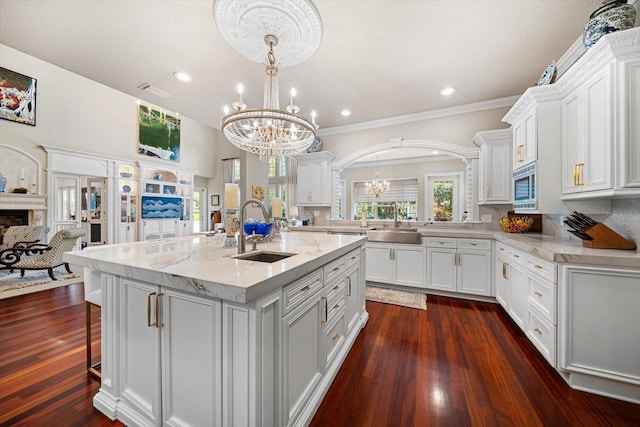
{"x":392,"y":296}
{"x":11,"y":284}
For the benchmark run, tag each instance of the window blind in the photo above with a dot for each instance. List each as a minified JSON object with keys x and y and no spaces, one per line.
{"x":400,"y":190}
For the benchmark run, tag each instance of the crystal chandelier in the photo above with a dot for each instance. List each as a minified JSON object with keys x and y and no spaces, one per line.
{"x":269,"y":132}
{"x":376,"y":187}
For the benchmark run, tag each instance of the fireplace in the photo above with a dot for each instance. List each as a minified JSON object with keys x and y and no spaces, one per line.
{"x":9,"y":218}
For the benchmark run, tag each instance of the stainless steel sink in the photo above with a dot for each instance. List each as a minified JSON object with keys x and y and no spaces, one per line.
{"x":395,"y":235}
{"x":264,"y":256}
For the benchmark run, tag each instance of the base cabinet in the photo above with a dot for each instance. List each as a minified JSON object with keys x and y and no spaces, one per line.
{"x":396,"y":264}
{"x":459,"y":265}
{"x":598,"y":334}
{"x":153,"y":229}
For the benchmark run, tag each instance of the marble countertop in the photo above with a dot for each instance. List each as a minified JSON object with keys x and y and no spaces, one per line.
{"x":200,"y":264}
{"x":550,"y":248}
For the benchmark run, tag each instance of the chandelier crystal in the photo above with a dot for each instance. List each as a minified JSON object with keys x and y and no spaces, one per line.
{"x":269,"y":131}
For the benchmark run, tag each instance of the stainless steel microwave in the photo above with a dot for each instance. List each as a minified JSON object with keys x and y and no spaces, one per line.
{"x":524,"y":187}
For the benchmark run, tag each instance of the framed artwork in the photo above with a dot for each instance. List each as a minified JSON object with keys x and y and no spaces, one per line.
{"x":161,"y":207}
{"x":158,"y":133}
{"x":215,"y":200}
{"x":257,"y":192}
{"x":17,"y":97}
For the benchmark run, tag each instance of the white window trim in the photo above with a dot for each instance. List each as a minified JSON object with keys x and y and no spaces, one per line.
{"x":458,"y":192}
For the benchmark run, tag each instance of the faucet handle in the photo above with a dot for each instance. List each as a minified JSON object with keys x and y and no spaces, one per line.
{"x":254,"y":239}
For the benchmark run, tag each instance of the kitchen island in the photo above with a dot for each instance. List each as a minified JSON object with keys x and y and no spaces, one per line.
{"x":192,"y":335}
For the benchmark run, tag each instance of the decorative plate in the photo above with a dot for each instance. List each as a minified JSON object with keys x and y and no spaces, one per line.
{"x":548,"y":75}
{"x":315,"y":146}
{"x":126,"y":188}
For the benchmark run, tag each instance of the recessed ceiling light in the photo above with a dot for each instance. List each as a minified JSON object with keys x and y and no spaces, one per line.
{"x":447,"y":91}
{"x":345,"y":113}
{"x":182,"y":76}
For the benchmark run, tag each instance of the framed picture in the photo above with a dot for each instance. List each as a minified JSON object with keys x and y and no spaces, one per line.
{"x":17,"y":97}
{"x":257,"y":192}
{"x":158,"y":133}
{"x":215,"y":200}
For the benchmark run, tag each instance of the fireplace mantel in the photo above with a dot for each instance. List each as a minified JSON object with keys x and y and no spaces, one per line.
{"x":15,"y":201}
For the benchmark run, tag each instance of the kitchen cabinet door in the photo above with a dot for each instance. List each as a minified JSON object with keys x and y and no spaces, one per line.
{"x":379,"y":262}
{"x":525,"y":139}
{"x":441,"y":269}
{"x":474,"y":272}
{"x":352,"y":310}
{"x":587,"y":134}
{"x":518,"y":291}
{"x":303,"y":357}
{"x":409,"y":265}
{"x":501,"y":269}
{"x":313,"y":187}
{"x":495,"y":171}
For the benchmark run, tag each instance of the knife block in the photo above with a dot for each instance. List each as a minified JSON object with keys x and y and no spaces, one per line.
{"x":605,"y":238}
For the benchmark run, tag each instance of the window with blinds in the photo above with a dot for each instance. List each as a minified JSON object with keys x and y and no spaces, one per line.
{"x":401,"y":190}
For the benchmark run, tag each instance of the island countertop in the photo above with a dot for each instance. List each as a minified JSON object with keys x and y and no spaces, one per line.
{"x":201,"y":265}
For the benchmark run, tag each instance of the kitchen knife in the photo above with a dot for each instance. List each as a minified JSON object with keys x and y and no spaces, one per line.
{"x":583,"y":224}
{"x":582,"y":236}
{"x":585,"y":218}
{"x":574,"y":224}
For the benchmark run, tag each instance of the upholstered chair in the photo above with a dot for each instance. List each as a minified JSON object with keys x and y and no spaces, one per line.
{"x":22,"y":235}
{"x":48,"y":257}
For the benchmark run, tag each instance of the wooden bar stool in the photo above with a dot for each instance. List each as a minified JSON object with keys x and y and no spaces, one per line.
{"x":92,"y":296}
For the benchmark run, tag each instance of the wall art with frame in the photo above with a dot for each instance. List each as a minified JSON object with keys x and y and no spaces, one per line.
{"x":158,"y":133}
{"x":17,"y":97}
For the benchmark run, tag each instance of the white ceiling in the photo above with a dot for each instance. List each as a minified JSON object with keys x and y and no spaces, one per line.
{"x":379,"y":58}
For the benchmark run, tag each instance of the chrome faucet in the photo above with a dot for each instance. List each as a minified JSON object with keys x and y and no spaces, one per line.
{"x":396,"y":223}
{"x":265,"y":214}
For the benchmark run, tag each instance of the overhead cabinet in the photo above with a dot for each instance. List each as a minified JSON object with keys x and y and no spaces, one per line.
{"x":601,"y":131}
{"x":314,"y":179}
{"x":495,"y":171}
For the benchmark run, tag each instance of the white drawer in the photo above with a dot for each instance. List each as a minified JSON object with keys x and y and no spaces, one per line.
{"x":503,"y":249}
{"x":352,"y":258}
{"x":335,"y":288}
{"x":334,"y":337}
{"x":543,"y":268}
{"x":542,"y":297}
{"x":442,"y":242}
{"x":334,"y":269}
{"x":298,"y":292}
{"x":334,"y":307}
{"x":517,"y":257}
{"x":543,"y":335}
{"x":480,"y":244}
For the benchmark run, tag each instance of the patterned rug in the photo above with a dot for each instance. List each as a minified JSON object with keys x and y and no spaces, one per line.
{"x":391,"y":296}
{"x":11,"y":284}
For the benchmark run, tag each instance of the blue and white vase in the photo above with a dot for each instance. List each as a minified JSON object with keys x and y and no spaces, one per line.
{"x":3,"y":182}
{"x":613,"y":15}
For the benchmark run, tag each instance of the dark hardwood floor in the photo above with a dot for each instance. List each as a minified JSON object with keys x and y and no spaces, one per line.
{"x":459,"y":363}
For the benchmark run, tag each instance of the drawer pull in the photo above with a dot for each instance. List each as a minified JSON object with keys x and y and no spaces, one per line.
{"x":336,"y":336}
{"x":516,"y":256}
{"x":537,"y":330}
{"x":501,"y":249}
{"x":336,"y":306}
{"x":354,"y":257}
{"x":537,"y":293}
{"x":305,"y":289}
{"x":537,"y":266}
{"x":336,"y":287}
{"x":473,"y":244}
{"x":336,"y":268}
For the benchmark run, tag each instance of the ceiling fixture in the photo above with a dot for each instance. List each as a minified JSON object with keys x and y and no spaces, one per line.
{"x":182,"y":76}
{"x":447,"y":91}
{"x":269,"y":131}
{"x":376,"y":187}
{"x":345,"y":113}
{"x":296,"y":26}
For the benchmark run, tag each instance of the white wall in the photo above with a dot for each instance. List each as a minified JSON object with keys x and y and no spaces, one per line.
{"x":77,"y":113}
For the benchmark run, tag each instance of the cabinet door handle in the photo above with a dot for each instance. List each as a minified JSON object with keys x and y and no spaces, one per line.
{"x":151,"y":295}
{"x":326,"y":309}
{"x":579,"y":174}
{"x":538,"y":330}
{"x":575,"y":174}
{"x":537,"y":293}
{"x":158,"y":323}
{"x":349,"y":286}
{"x":504,"y":270}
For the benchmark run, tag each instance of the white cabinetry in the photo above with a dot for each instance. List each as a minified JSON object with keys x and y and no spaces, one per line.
{"x":165,"y":334}
{"x":129,"y":195}
{"x":586,"y":136}
{"x":153,"y":229}
{"x":601,"y":133}
{"x":314,"y":179}
{"x":459,"y":265}
{"x":396,"y":263}
{"x":525,"y":139}
{"x":599,"y":337}
{"x":495,"y":173}
{"x":511,"y":289}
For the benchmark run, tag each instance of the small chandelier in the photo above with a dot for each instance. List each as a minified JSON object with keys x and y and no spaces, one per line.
{"x":269,"y":132}
{"x":376,"y":187}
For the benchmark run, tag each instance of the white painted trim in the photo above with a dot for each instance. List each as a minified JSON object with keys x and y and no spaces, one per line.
{"x":426,"y":115}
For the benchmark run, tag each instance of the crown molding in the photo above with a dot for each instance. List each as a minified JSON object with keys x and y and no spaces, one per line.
{"x":426,"y":115}
{"x":488,"y":136}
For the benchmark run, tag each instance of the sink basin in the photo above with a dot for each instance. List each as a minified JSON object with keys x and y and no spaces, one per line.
{"x":388,"y":229}
{"x":395,"y":235}
{"x":264,"y":256}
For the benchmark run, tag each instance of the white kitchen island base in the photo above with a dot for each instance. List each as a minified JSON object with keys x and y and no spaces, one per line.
{"x":176,"y":357}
